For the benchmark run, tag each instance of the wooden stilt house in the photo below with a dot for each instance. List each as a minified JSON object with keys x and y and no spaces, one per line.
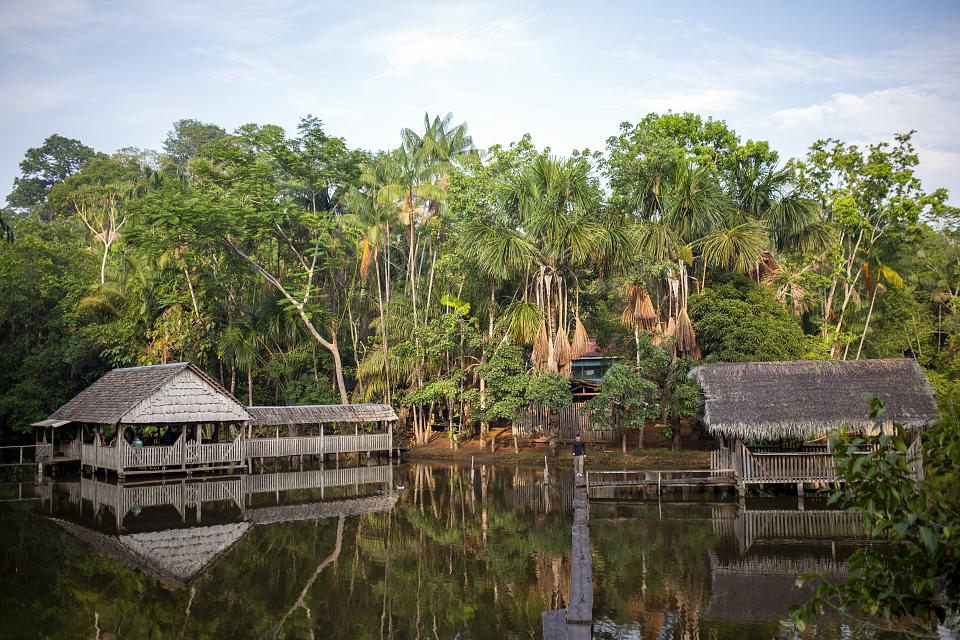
{"x":144,"y":419}
{"x":174,"y":417}
{"x":772,"y":418}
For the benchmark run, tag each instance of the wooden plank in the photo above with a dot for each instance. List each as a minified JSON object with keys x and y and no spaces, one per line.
{"x":554,"y":625}
{"x":580,"y":607}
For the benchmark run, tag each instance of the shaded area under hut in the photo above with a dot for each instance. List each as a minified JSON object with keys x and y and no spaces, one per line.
{"x":772,"y":418}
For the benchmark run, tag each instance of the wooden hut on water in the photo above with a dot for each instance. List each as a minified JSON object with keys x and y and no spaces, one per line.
{"x":174,"y":417}
{"x":138,"y":419}
{"x":772,"y":418}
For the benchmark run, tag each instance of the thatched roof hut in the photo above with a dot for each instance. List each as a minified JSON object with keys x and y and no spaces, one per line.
{"x":321,"y":414}
{"x":805,"y":399}
{"x":157,"y":394}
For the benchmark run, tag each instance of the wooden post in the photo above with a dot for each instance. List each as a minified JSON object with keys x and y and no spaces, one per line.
{"x":390,"y":443}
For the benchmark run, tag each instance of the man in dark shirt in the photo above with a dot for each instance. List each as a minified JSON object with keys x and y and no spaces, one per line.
{"x":579,"y":453}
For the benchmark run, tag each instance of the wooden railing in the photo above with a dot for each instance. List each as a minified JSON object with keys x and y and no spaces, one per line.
{"x":213,"y":452}
{"x":316,"y":445}
{"x":317,"y":478}
{"x":915,"y":458}
{"x":802,"y":466}
{"x":721,"y":461}
{"x":153,"y":456}
{"x":182,"y":494}
{"x":660,"y":478}
{"x":787,"y":467}
{"x":42,"y":452}
{"x":571,"y":421}
{"x":99,"y":456}
{"x":71,"y":449}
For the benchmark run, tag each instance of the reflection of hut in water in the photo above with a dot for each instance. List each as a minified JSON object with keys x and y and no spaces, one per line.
{"x":173,"y":556}
{"x":772,"y":418}
{"x":762,"y":552}
{"x":177,"y":550}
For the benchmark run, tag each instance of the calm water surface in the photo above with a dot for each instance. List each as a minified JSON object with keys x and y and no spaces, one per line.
{"x":398,"y":552}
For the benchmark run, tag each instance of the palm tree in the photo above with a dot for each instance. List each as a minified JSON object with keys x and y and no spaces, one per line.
{"x":238,"y":344}
{"x":545,"y":228}
{"x":736,"y":248}
{"x":872,"y":277}
{"x":765,"y":192}
{"x":373,"y":219}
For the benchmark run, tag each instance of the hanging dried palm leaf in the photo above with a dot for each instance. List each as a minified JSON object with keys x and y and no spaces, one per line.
{"x":540,"y":348}
{"x":686,"y":338}
{"x":579,"y":346}
{"x":646,"y":314}
{"x":639,"y":310}
{"x":670,"y":334}
{"x":561,"y":349}
{"x":660,"y":340}
{"x":365,"y":258}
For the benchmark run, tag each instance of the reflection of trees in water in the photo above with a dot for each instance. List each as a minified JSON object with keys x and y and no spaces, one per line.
{"x":670,"y":558}
{"x":694,"y":571}
{"x":477,"y":555}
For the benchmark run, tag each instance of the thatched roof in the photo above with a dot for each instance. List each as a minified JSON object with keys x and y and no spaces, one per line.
{"x":805,"y":399}
{"x":763,"y":590}
{"x":174,"y":556}
{"x":321,"y":413}
{"x":166,"y":393}
{"x":318,"y":510}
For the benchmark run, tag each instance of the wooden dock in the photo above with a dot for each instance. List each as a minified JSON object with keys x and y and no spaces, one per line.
{"x":187,"y":456}
{"x":576,"y":622}
{"x":661,"y":478}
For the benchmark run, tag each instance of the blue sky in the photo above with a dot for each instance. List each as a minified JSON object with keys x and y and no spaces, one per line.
{"x":117,"y":74}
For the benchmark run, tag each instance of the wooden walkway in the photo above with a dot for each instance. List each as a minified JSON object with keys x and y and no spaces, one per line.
{"x":661,"y":478}
{"x":576,"y":622}
{"x":186,"y":456}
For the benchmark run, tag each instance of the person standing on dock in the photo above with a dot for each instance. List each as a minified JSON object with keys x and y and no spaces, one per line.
{"x":579,"y":454}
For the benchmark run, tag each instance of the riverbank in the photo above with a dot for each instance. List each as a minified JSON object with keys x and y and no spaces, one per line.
{"x":438,"y":450}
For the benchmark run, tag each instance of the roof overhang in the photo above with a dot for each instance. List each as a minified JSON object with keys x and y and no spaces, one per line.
{"x":49,"y":422}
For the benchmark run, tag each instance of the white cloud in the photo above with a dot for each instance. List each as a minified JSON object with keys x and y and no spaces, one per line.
{"x":413,"y":49}
{"x":868,"y":117}
{"x":879,"y":114}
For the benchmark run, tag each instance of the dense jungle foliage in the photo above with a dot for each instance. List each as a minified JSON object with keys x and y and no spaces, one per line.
{"x":436,"y":276}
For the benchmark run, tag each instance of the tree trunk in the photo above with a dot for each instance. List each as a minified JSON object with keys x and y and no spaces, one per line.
{"x":338,"y":366}
{"x":553,"y":431}
{"x":623,"y":435}
{"x":250,"y":385}
{"x":866,"y":325}
{"x":383,"y":336}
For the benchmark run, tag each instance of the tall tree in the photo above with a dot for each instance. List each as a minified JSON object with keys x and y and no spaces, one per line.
{"x":44,"y":167}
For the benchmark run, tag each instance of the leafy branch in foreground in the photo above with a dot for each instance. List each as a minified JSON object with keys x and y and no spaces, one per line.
{"x":910,"y":581}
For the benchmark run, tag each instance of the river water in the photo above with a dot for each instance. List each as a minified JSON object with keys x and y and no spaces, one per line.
{"x":408,"y":551}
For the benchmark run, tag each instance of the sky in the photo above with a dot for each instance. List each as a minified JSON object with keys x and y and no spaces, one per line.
{"x":118,"y":74}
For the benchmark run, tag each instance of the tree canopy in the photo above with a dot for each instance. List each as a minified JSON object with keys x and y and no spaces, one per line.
{"x":456,"y":283}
